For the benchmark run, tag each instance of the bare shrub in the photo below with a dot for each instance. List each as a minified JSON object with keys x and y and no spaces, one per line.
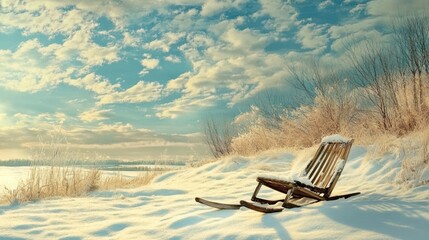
{"x":218,"y":137}
{"x":384,"y":92}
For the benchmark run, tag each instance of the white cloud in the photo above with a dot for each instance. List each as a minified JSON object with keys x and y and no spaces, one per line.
{"x":185,"y":104}
{"x":42,"y":120}
{"x":41,"y":70}
{"x":119,"y":140}
{"x":185,"y":21}
{"x":283,"y":14}
{"x":325,"y":4}
{"x":173,"y":59}
{"x":250,"y":117}
{"x":140,"y":92}
{"x":46,"y":20}
{"x":130,"y":40}
{"x":94,"y":83}
{"x":338,"y":31}
{"x":358,"y":8}
{"x":165,"y":42}
{"x":350,"y":34}
{"x":89,"y":53}
{"x":150,"y":63}
{"x":312,"y":36}
{"x":212,"y":7}
{"x":94,"y":115}
{"x":179,"y":82}
{"x":390,"y":8}
{"x":245,"y":40}
{"x":48,"y":65}
{"x":233,"y":69}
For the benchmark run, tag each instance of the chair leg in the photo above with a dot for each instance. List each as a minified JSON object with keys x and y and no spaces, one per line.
{"x":288,"y":197}
{"x":255,"y":193}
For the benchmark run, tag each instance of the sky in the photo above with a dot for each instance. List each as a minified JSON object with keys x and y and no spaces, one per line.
{"x":137,"y":79}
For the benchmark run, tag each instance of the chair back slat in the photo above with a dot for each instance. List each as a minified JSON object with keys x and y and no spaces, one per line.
{"x":321,"y":170}
{"x":324,"y":180}
{"x":330,"y":183}
{"x":319,"y":162}
{"x":313,"y":160}
{"x":323,"y":162}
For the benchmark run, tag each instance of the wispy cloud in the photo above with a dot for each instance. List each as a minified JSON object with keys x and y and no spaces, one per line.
{"x":94,"y":83}
{"x":173,"y":59}
{"x":184,"y":104}
{"x":94,"y":115}
{"x":325,"y":4}
{"x":212,"y":7}
{"x":140,"y":92}
{"x":165,"y":42}
{"x":283,"y":15}
{"x":312,"y":36}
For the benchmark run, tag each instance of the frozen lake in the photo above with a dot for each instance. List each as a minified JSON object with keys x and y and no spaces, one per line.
{"x":11,"y":176}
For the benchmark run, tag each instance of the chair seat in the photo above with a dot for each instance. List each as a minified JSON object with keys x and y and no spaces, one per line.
{"x":301,"y":190}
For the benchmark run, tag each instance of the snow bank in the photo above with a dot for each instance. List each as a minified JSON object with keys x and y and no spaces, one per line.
{"x":294,"y":177}
{"x":166,"y":208}
{"x":336,"y":138}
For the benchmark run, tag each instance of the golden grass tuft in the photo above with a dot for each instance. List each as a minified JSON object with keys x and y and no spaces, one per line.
{"x":47,"y":182}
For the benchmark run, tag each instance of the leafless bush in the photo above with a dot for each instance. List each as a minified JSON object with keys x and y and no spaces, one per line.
{"x":331,"y":106}
{"x":218,"y":137}
{"x":384,"y":92}
{"x":391,"y":75}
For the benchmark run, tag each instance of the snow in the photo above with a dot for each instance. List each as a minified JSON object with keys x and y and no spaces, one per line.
{"x":165,"y":209}
{"x":340,"y":165}
{"x":336,"y":138}
{"x":294,"y":177}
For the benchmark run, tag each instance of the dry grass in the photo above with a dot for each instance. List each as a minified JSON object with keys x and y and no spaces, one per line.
{"x":256,"y":139}
{"x":415,"y":167}
{"x":62,"y":177}
{"x":120,"y":181}
{"x":47,"y":182}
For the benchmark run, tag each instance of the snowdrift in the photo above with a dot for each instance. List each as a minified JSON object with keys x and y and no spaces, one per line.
{"x":166,"y":209}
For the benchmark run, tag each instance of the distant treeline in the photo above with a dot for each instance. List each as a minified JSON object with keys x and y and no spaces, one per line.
{"x":16,"y":163}
{"x":25,"y":162}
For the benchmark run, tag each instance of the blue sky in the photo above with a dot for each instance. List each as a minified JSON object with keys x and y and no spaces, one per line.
{"x":135,"y":79}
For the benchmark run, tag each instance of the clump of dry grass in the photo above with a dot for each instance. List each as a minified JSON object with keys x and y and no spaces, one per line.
{"x":46,"y":182}
{"x":415,"y":167}
{"x":57,"y":174}
{"x":120,"y":181}
{"x":257,"y":139}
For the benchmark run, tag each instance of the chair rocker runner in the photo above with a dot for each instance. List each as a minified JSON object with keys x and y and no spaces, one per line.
{"x":316,"y":183}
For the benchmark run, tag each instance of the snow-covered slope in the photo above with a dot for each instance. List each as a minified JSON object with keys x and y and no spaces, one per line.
{"x":166,"y":209}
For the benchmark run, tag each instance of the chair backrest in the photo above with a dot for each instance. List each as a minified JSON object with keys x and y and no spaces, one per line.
{"x":326,"y":166}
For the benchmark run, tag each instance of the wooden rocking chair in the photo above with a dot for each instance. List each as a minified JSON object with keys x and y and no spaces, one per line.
{"x":317,"y":182}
